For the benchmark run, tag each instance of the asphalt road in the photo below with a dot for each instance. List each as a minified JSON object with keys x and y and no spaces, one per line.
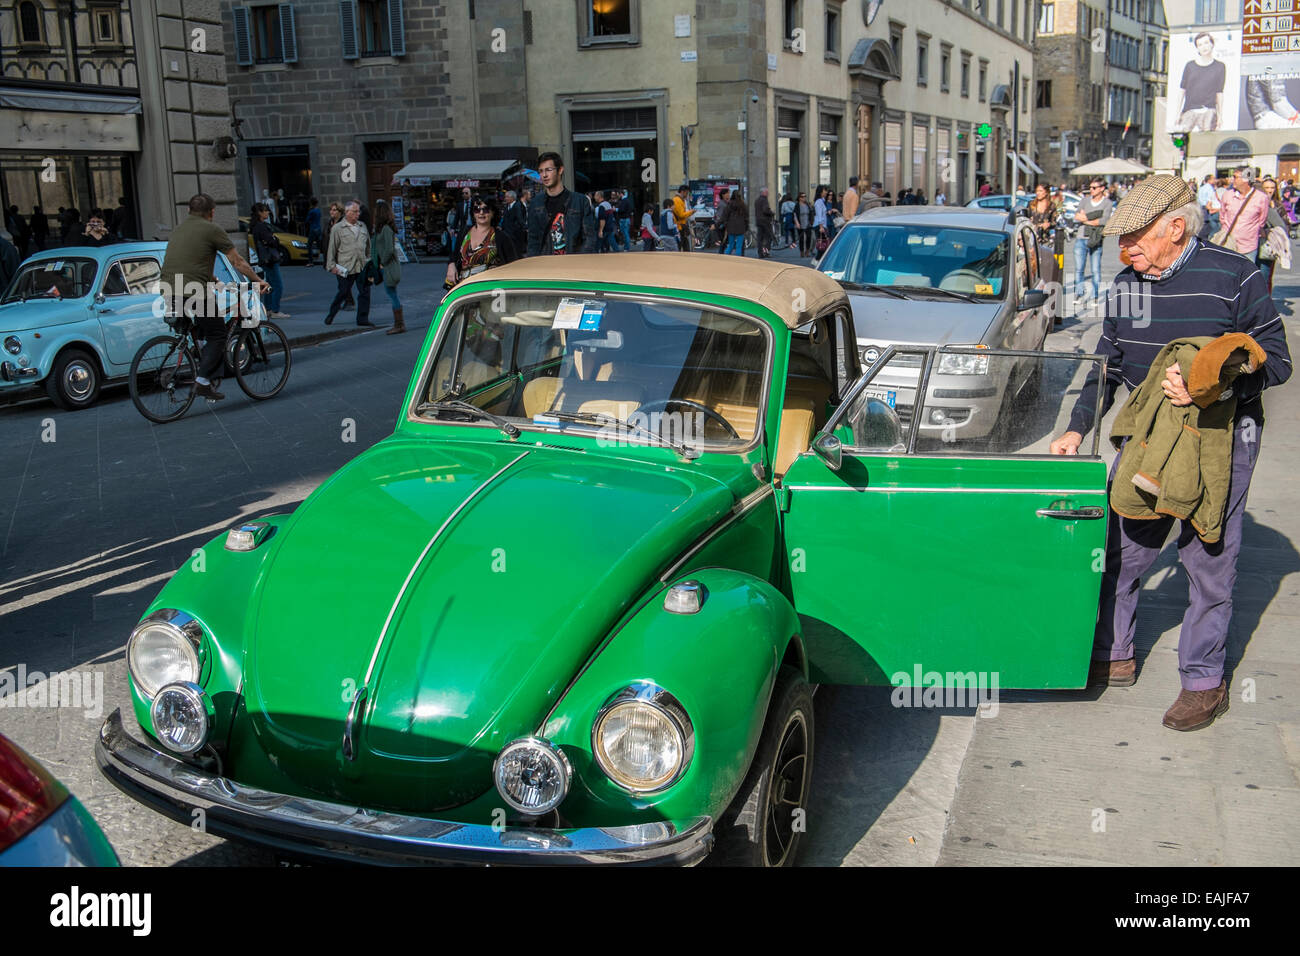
{"x":98,"y":508}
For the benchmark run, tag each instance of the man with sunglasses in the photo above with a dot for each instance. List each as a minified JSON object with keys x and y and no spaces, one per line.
{"x":1093,"y":212}
{"x":559,"y":221}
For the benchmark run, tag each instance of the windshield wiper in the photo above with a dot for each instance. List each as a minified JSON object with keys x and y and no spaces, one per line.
{"x":964,"y":296}
{"x":874,"y":287}
{"x":687,"y":453}
{"x":456,"y":405}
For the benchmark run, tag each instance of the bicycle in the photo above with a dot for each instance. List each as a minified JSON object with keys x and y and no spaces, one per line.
{"x":163,"y":371}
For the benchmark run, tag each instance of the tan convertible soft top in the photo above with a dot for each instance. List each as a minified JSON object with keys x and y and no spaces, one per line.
{"x":795,"y":293}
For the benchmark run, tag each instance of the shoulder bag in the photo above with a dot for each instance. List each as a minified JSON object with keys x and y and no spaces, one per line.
{"x":1220,"y":238}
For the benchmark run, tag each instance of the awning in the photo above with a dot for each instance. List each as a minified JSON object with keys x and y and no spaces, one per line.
{"x":1026,"y":164}
{"x":61,"y":102}
{"x":456,"y":170}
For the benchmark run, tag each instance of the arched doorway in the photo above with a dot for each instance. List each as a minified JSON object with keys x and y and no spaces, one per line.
{"x":1288,"y":162}
{"x":1230,"y":153}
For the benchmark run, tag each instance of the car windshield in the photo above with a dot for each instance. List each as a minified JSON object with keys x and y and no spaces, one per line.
{"x":69,"y":278}
{"x":911,"y":257}
{"x":650,"y":370}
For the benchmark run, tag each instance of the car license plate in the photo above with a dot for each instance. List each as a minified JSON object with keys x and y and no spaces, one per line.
{"x":886,"y":395}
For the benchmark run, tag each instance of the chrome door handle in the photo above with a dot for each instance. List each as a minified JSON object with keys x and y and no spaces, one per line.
{"x":1088,"y":513}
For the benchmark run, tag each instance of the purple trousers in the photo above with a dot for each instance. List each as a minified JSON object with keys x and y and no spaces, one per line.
{"x":1132,"y":547}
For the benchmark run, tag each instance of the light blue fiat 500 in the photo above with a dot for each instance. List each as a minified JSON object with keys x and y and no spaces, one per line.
{"x":73,"y":318}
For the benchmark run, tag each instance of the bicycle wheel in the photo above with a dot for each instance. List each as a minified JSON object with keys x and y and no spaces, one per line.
{"x":161,"y":379}
{"x":262,"y":360}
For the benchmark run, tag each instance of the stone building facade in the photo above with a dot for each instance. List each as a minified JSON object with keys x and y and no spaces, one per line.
{"x":824,"y":90}
{"x":332,"y":97}
{"x":1070,"y":58}
{"x":127,"y":100}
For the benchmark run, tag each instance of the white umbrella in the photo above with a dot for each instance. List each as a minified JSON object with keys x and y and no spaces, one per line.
{"x":1111,"y":166}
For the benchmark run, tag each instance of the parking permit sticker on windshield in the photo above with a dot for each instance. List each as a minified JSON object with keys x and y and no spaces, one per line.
{"x":54,"y":266}
{"x":983,"y":289}
{"x":581,"y":314}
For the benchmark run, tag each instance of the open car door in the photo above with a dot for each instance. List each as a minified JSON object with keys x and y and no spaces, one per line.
{"x":920,"y":545}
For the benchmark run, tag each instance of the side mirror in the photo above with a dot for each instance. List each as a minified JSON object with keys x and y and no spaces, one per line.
{"x":1033,"y":299}
{"x":100,"y":298}
{"x":829,"y":450}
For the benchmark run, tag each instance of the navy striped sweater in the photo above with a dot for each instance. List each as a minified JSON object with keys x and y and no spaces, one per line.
{"x":1211,"y":291}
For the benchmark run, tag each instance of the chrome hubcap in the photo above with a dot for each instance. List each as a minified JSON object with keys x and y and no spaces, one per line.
{"x":79,"y":380}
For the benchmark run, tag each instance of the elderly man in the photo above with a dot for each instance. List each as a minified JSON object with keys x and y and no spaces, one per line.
{"x":1188,"y":288}
{"x":346,"y":257}
{"x":1245,"y":210}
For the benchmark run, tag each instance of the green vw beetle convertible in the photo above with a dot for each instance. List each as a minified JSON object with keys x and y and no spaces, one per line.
{"x":573,"y":609}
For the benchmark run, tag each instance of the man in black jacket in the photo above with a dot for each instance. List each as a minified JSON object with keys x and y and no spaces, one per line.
{"x":514,"y":220}
{"x":763,"y":217}
{"x":559,"y":221}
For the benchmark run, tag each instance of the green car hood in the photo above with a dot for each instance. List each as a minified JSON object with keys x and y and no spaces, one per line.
{"x":469,"y":581}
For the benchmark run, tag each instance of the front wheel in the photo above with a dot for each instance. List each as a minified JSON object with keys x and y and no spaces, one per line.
{"x":74,"y":381}
{"x":262,"y":360}
{"x":763,"y":825}
{"x":161,"y":379}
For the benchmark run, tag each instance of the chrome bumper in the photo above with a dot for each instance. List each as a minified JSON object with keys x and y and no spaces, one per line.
{"x":319,"y":828}
{"x":10,"y":372}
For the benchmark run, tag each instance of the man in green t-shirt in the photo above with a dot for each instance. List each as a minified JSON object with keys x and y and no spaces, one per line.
{"x":188,"y":274}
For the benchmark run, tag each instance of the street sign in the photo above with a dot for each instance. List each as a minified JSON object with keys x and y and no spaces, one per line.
{"x":1269,"y":29}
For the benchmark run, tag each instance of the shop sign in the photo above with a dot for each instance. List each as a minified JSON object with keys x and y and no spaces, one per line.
{"x":614,"y":154}
{"x":417,"y":181}
{"x":462,"y":183}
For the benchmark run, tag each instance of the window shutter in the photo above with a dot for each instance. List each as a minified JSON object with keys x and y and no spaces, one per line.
{"x":243,"y":41}
{"x":396,"y":30}
{"x":288,"y":34}
{"x":348,"y":29}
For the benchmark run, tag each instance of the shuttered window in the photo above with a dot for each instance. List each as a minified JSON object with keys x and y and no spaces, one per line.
{"x":348,"y":29}
{"x":243,"y":40}
{"x":265,"y":34}
{"x":396,"y":29}
{"x":288,"y":33}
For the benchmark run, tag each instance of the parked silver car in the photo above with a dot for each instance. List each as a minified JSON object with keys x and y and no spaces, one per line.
{"x":937,"y":275}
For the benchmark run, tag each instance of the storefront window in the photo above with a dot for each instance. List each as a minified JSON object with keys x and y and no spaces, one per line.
{"x":943,"y":165}
{"x":893,"y":158}
{"x":828,"y":153}
{"x":789,"y":143}
{"x":81,"y":183}
{"x":920,"y":150}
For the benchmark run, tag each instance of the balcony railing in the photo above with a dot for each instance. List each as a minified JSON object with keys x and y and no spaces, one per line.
{"x":72,"y":43}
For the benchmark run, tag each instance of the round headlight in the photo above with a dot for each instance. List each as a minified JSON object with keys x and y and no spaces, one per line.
{"x":642,"y":739}
{"x":163,"y":651}
{"x":532,"y":775}
{"x":182,"y":717}
{"x":12,"y":345}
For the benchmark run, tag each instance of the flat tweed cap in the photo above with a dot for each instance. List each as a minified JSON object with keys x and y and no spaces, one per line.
{"x":1148,"y":201}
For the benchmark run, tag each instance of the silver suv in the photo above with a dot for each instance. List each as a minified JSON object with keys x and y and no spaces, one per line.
{"x":950,"y":276}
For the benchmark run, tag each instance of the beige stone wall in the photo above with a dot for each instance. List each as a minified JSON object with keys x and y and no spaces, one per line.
{"x":557,"y":68}
{"x":186,"y":107}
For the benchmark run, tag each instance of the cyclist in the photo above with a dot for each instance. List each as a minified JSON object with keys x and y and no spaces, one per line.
{"x":188,"y":265}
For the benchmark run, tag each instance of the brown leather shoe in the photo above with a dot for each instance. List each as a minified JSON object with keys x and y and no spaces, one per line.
{"x":1195,"y":709}
{"x":1112,"y":673}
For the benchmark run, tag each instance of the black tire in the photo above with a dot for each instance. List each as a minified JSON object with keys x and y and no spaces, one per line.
{"x":161,"y":379}
{"x":74,"y":381}
{"x":262,"y":360}
{"x":761,"y":827}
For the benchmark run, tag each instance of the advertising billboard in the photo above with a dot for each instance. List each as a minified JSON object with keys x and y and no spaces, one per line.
{"x":1204,"y":80}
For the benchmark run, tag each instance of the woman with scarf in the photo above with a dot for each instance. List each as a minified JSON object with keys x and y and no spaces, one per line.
{"x":481,"y":246}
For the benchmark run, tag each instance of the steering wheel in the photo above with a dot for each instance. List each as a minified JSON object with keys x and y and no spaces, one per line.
{"x":979,"y":277}
{"x":662,"y":403}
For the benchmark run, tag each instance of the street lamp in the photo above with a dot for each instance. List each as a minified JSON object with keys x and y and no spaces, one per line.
{"x":750,"y":97}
